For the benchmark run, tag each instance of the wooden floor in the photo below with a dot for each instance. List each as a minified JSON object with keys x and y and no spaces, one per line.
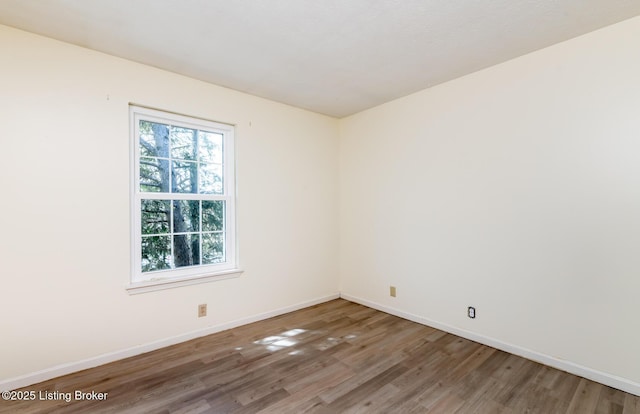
{"x":337,"y":357}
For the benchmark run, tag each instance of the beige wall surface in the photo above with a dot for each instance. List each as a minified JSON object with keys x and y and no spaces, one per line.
{"x":64,"y":214}
{"x":516,"y":190}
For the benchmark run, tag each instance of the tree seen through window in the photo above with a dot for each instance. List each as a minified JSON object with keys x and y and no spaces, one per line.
{"x":178,"y":168}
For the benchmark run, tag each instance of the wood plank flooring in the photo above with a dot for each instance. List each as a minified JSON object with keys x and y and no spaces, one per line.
{"x":336,"y":357}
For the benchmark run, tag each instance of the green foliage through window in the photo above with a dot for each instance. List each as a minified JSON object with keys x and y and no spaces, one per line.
{"x":180,"y":180}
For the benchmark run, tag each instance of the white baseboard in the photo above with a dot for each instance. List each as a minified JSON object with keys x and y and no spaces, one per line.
{"x":568,"y":366}
{"x":64,"y":369}
{"x":576,"y":369}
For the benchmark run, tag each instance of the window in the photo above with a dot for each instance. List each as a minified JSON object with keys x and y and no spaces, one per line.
{"x":183,"y":198}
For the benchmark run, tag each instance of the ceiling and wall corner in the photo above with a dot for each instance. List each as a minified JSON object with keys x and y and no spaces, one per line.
{"x":332,"y":57}
{"x":289,"y":167}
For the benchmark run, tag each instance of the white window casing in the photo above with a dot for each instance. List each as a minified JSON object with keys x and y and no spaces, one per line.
{"x":183,"y":228}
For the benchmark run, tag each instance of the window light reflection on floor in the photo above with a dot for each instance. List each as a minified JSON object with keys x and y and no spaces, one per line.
{"x":285,"y":340}
{"x":278,"y":342}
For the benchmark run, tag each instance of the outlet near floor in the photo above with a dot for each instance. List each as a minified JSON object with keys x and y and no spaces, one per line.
{"x":202,"y":310}
{"x":392,"y":291}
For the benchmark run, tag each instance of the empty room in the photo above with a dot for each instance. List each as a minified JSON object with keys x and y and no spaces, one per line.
{"x":320,"y":206}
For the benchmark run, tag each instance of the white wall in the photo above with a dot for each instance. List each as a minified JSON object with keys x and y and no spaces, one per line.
{"x":64,"y":210}
{"x":516,"y":190}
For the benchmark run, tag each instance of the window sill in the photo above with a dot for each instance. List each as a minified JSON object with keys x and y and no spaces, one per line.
{"x":161,"y":284}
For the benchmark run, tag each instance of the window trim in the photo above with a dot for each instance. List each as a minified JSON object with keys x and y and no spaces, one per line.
{"x":140,"y":282}
{"x":162,"y":284}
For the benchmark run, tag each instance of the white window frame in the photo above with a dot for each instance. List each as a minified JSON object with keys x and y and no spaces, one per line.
{"x":163,"y":279}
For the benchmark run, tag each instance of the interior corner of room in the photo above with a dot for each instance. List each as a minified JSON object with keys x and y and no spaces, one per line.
{"x":512,"y":190}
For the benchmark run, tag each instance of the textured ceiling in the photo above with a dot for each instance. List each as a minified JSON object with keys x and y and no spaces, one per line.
{"x":335,"y":57}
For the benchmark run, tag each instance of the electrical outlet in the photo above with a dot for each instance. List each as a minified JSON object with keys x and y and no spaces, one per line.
{"x":392,"y":291}
{"x":471,"y":312}
{"x":202,"y":310}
